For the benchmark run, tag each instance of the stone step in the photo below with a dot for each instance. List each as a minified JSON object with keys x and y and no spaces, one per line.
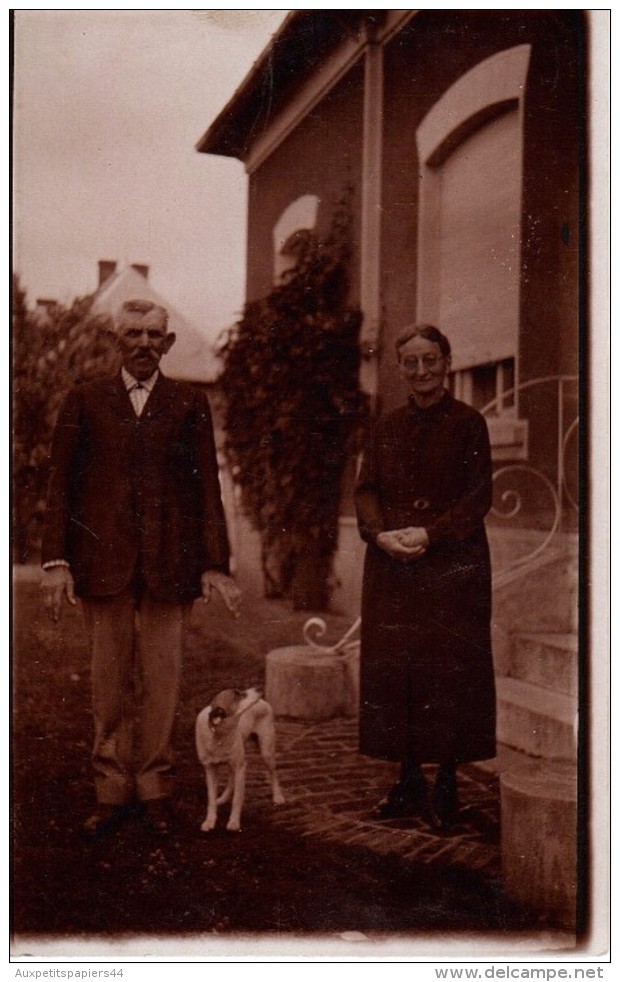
{"x":545,"y":659}
{"x":543,"y":597}
{"x":538,"y":722}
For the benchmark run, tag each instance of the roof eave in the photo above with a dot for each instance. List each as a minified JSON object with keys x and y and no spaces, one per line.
{"x":248,"y":112}
{"x":216,"y":138}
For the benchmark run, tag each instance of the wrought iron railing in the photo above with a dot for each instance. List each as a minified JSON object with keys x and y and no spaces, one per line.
{"x":512,"y":504}
{"x":346,"y":648}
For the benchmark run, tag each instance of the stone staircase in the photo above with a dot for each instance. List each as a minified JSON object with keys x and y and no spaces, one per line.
{"x":536,"y":651}
{"x":537,"y":702}
{"x":537,"y":673}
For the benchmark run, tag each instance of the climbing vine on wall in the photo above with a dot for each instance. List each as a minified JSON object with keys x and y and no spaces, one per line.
{"x":294,"y":410}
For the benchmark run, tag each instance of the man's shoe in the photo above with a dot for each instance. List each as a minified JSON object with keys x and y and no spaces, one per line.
{"x":104,"y":821}
{"x":159,"y":816}
{"x":403,"y":801}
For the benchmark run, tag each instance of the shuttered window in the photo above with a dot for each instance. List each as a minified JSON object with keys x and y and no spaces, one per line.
{"x":470,"y":148}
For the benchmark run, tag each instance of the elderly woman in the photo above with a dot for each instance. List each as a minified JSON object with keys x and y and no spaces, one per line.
{"x":427,"y":685}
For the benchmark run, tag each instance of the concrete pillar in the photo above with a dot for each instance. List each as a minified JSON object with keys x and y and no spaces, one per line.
{"x":370,"y":236}
{"x":539,"y":838}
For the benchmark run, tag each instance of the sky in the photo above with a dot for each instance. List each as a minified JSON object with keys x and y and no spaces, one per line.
{"x":108,"y":108}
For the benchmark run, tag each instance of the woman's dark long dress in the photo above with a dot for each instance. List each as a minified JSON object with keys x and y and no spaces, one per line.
{"x":427,"y":683}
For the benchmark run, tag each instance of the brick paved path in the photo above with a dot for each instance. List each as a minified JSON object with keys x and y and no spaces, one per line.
{"x":331,"y":790}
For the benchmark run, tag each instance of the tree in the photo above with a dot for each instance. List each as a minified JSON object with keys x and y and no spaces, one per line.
{"x":293,"y":412}
{"x":50,"y":354}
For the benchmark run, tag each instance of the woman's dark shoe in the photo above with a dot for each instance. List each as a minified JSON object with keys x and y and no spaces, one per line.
{"x":445,"y":800}
{"x":406,"y":799}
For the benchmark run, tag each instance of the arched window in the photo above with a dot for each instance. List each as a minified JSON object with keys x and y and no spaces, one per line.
{"x":299,"y":218}
{"x":470,"y":149}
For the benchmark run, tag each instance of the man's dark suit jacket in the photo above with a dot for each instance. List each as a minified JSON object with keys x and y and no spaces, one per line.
{"x":131,"y":493}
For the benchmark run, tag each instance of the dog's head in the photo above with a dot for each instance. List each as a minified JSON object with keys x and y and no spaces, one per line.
{"x":230,"y":703}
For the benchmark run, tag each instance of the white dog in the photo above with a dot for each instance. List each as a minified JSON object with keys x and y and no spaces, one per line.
{"x":221,"y":731}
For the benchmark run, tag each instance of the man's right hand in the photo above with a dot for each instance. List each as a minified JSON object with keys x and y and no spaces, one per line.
{"x":225,"y":586}
{"x":56,"y":582}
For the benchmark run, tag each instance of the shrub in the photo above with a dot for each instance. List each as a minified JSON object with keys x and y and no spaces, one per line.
{"x":293,"y":410}
{"x":50,"y":354}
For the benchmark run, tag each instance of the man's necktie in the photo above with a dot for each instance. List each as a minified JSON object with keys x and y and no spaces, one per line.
{"x":138,"y":395}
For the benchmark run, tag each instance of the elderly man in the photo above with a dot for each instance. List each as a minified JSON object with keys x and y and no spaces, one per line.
{"x":135,"y":528}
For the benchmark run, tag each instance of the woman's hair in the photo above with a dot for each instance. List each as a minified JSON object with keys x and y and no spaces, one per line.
{"x":427,"y":331}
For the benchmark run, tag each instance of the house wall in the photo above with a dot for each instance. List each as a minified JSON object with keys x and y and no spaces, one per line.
{"x":321,"y":156}
{"x":553,"y":295}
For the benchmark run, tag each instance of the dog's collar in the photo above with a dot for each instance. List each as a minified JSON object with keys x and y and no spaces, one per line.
{"x":249,"y":705}
{"x":235,"y":716}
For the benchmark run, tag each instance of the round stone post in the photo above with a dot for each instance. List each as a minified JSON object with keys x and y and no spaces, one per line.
{"x":539,"y":838}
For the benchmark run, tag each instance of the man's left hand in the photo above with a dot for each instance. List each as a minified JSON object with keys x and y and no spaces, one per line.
{"x":225,"y":586}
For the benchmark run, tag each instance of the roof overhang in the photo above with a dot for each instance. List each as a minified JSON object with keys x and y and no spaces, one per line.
{"x":304,"y":41}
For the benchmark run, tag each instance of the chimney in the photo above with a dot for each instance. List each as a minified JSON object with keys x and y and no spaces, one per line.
{"x":141,"y":269}
{"x":44,"y":309}
{"x":107,"y":268}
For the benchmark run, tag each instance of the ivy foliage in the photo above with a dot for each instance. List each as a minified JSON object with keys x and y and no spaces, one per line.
{"x":293,"y":409}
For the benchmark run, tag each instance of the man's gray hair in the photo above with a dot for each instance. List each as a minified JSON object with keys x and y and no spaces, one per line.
{"x":140,"y":307}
